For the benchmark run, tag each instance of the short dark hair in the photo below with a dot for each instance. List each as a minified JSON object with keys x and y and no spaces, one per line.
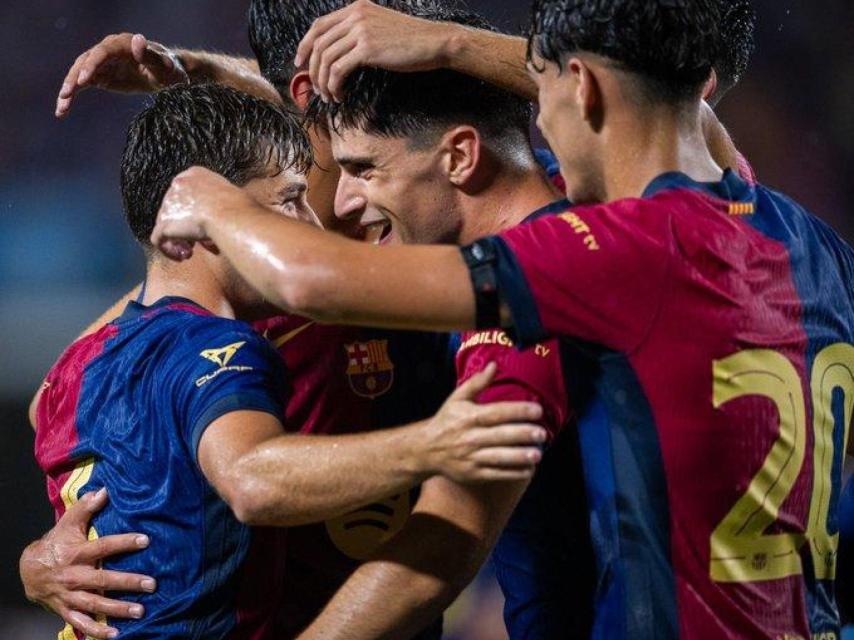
{"x":276,"y":28}
{"x":419,"y":105}
{"x":738,"y":41}
{"x":208,"y":125}
{"x":669,"y":45}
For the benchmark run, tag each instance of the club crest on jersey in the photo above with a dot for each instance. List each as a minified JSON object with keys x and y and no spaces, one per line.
{"x":221,"y":357}
{"x":369,"y":368}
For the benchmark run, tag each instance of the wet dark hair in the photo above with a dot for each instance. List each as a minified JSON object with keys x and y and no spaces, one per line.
{"x":276,"y":28}
{"x":738,"y":41}
{"x":670,"y":46}
{"x":420,"y":105}
{"x":208,"y":125}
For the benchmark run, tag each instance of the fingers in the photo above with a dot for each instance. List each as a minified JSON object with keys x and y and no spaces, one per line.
{"x":90,"y":579}
{"x":324,"y":60}
{"x":509,"y":435}
{"x":78,"y":515}
{"x":474,"y":385}
{"x":139,"y":48}
{"x":69,"y":86}
{"x":326,"y":49}
{"x":95,"y":550}
{"x":318,"y":29}
{"x":505,"y":412}
{"x":177,"y":250}
{"x":341,"y":69}
{"x":490,"y":474}
{"x":89,"y":627}
{"x":508,"y":458}
{"x":96,"y":605}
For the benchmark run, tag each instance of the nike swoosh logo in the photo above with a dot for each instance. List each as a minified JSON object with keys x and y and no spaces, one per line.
{"x":290,"y":335}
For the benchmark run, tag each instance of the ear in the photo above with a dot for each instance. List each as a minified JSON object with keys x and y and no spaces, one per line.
{"x":302,"y":90}
{"x":711,"y":87}
{"x":588,"y":93}
{"x":461,"y":148}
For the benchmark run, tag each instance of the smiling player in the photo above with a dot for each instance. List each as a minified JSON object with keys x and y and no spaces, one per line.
{"x":715,"y":319}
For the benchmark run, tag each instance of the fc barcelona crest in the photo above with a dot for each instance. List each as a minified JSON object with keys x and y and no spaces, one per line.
{"x":369,"y":368}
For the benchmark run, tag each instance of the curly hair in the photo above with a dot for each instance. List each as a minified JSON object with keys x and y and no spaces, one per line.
{"x":208,"y":125}
{"x":670,"y":44}
{"x":738,"y":31}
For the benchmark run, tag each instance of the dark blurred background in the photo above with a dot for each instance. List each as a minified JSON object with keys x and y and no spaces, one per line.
{"x":65,"y":254}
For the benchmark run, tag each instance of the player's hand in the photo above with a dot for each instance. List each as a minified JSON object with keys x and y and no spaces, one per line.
{"x":193,"y":196}
{"x":364,"y":34}
{"x":468,"y":442}
{"x":121,"y":62}
{"x":60,"y":571}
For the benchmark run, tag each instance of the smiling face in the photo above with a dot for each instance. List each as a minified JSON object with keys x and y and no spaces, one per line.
{"x":399,"y":192}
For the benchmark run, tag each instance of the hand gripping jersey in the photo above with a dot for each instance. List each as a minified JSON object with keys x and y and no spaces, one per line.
{"x":543,"y":559}
{"x":713,"y":381}
{"x":125,"y":409}
{"x":350,"y":380}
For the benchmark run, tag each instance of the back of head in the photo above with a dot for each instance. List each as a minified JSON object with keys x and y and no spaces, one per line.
{"x":236,"y":135}
{"x":418,"y":106}
{"x":669,"y":46}
{"x":276,"y":28}
{"x":738,"y":27}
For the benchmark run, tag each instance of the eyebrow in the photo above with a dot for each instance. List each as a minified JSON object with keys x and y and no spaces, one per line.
{"x":355,"y":160}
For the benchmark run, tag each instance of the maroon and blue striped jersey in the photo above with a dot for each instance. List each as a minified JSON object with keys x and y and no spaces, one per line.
{"x":125,"y":409}
{"x":709,"y":328}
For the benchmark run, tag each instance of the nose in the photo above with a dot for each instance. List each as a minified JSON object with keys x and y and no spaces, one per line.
{"x":350,"y":203}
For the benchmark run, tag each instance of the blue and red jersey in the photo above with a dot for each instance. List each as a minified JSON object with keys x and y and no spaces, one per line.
{"x":543,"y":559}
{"x":125,"y":408}
{"x":708,"y":338}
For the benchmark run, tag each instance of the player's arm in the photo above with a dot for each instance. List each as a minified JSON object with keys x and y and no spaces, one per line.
{"x":596,"y":275}
{"x":60,"y":571}
{"x":453,"y":527}
{"x":306,"y":270}
{"x":270,"y":478}
{"x":129,"y":63}
{"x":417,"y":575}
{"x":364,"y":34}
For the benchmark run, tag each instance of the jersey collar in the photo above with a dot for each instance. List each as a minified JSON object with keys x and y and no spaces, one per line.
{"x":730,"y":188}
{"x":560,"y":206}
{"x":135,"y":309}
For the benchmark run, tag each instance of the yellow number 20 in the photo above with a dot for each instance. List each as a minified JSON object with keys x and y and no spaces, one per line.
{"x":741,"y":551}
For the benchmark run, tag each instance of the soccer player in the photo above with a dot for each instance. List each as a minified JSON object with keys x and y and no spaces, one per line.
{"x":177,"y":407}
{"x":712,"y":318}
{"x":273,"y":33}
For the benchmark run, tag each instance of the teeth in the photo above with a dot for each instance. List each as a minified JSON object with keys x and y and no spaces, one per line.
{"x":374,"y":232}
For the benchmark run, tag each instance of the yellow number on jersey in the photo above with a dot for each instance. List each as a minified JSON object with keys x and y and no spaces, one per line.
{"x":740,"y":549}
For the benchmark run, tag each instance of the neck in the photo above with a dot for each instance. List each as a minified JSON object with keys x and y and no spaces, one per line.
{"x":512,"y":196}
{"x":640,"y":146}
{"x":186,"y":280}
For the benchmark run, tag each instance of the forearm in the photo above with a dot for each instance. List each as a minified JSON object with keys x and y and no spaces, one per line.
{"x":406,"y":588}
{"x":239,"y":73}
{"x":493,"y":57}
{"x":294,"y":479}
{"x":311,"y":272}
{"x":423,"y":569}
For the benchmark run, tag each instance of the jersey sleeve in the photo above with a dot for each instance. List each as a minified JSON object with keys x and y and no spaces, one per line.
{"x":594,"y":273}
{"x":224,"y":372}
{"x":534,"y":375}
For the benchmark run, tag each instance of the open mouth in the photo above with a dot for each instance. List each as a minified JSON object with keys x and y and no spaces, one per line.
{"x":377,"y":232}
